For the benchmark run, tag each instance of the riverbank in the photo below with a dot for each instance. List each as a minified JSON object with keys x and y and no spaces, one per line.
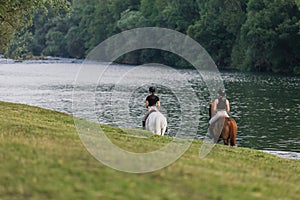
{"x":42,"y":157}
{"x":40,"y":60}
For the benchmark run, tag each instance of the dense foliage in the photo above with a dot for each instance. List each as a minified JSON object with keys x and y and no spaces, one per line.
{"x":16,"y":16}
{"x":257,"y":35}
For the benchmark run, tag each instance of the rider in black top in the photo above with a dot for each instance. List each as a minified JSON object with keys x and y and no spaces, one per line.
{"x":152,"y":103}
{"x":151,"y":100}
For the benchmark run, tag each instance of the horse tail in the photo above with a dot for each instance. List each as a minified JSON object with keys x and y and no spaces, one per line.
{"x":232,"y":131}
{"x":158,"y":126}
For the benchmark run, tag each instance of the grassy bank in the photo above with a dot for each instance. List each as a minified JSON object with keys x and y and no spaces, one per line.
{"x":42,"y":157}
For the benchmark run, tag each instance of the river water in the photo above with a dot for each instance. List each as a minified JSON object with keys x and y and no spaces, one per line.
{"x":266,"y":107}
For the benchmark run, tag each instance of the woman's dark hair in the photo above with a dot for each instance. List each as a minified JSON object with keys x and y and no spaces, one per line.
{"x":221,"y":92}
{"x":152,"y":89}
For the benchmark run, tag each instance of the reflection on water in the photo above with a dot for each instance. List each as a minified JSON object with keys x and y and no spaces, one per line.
{"x":266,"y":107}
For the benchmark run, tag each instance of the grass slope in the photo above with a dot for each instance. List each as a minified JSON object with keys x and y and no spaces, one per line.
{"x":42,"y":157}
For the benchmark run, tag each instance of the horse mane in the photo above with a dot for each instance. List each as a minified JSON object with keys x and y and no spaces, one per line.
{"x":152,"y":111}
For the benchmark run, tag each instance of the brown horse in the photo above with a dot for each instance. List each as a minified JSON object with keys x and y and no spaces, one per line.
{"x":228,"y":132}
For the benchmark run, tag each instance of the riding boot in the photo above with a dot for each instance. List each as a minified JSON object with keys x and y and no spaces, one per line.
{"x":209,"y":131}
{"x":144,"y":123}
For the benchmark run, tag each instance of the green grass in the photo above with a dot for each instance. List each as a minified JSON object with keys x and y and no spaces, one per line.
{"x":42,"y":157}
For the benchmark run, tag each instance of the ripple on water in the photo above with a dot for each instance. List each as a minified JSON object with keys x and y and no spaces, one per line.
{"x":266,"y":107}
{"x":284,"y":154}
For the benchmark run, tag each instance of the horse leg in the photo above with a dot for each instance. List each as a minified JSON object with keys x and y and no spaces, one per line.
{"x":225,"y":134}
{"x":163,"y":130}
{"x":233,"y":132}
{"x":163,"y":125}
{"x":225,"y":141}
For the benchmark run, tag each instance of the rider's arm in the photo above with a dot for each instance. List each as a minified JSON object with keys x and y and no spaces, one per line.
{"x":227,"y":106}
{"x":158,"y":104}
{"x":214,"y":107}
{"x":147,"y":103}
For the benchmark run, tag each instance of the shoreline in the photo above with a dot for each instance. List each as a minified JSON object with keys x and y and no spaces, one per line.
{"x":54,"y":60}
{"x":284,"y":154}
{"x":291,"y":155}
{"x":40,"y":60}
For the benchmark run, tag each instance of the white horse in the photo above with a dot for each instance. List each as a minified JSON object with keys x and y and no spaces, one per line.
{"x":156,"y":123}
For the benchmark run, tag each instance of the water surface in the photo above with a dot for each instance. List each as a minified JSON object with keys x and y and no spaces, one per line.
{"x":266,"y":107}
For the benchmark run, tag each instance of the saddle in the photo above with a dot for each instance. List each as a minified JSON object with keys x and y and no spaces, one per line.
{"x":221,"y":117}
{"x":147,"y":115}
{"x":212,"y":126}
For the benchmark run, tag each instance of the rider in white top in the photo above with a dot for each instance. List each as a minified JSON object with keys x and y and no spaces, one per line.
{"x":220,"y":107}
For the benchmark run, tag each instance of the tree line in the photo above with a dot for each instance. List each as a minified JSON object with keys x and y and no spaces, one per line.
{"x":16,"y":16}
{"x":253,"y":35}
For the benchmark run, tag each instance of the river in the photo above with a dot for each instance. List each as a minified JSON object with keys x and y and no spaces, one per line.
{"x":266,"y":107}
